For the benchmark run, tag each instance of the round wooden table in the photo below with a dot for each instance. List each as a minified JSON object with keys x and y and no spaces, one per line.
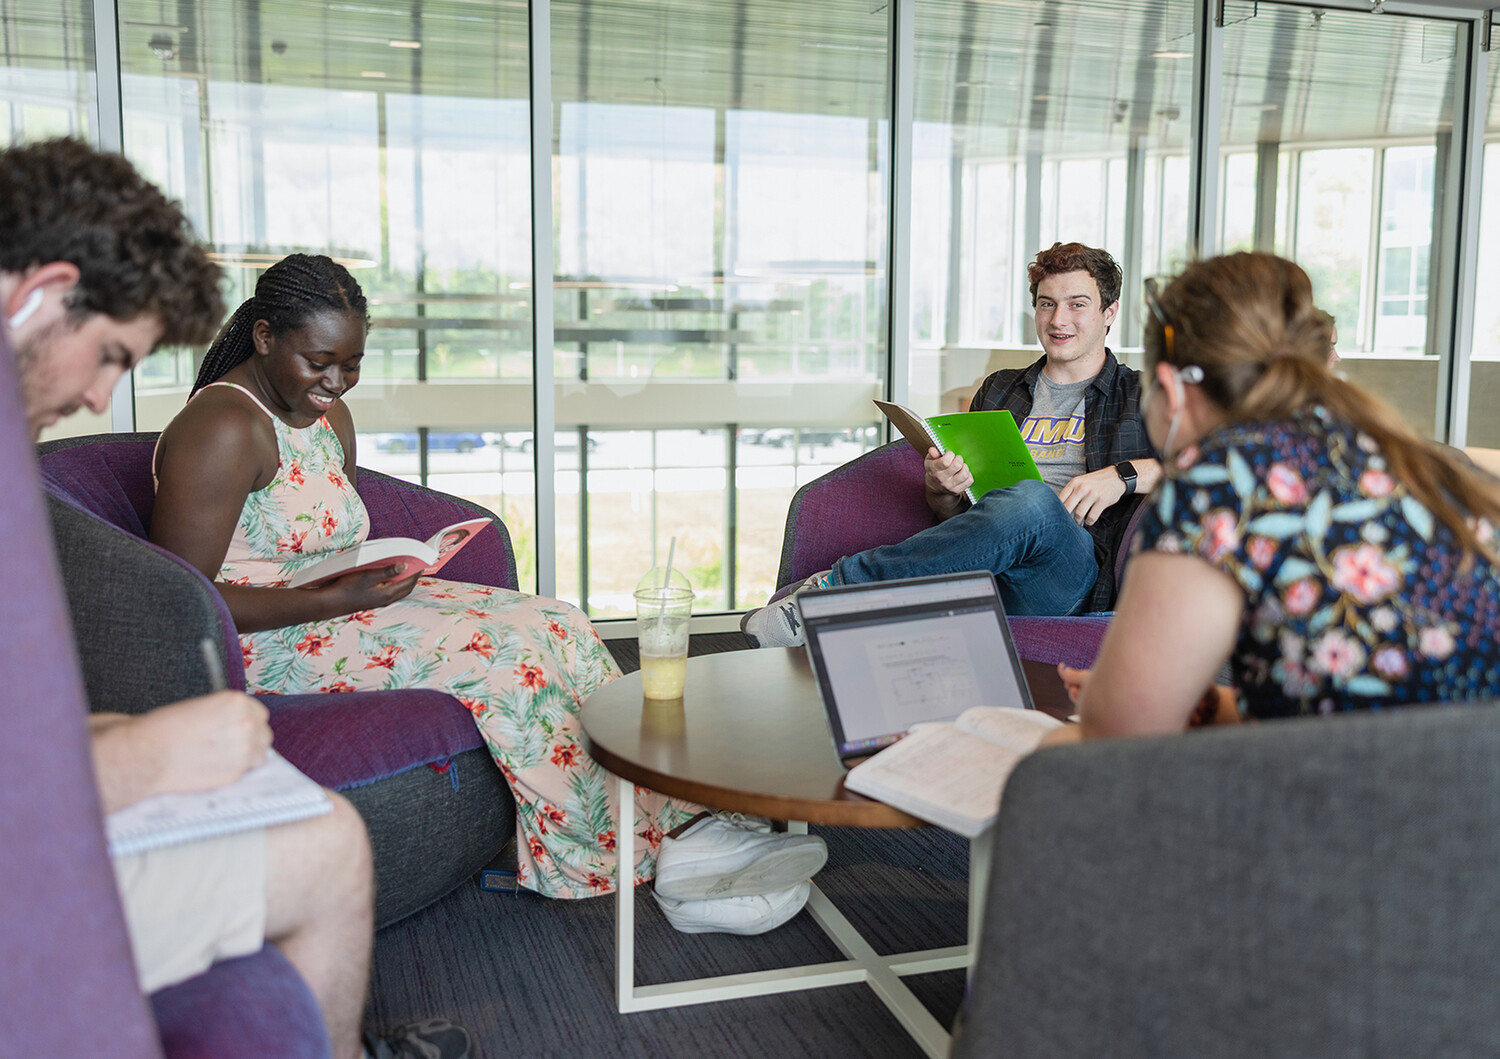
{"x":749,"y":735}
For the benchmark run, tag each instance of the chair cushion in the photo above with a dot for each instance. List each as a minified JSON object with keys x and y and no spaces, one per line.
{"x":1071,"y":641}
{"x":351,"y":739}
{"x":245,"y":1008}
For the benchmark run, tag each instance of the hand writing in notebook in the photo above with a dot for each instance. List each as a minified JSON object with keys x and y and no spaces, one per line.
{"x":195,"y":745}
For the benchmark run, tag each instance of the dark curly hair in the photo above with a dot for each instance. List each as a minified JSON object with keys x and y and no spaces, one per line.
{"x":1075,"y":257}
{"x":287,"y":295}
{"x":61,"y":200}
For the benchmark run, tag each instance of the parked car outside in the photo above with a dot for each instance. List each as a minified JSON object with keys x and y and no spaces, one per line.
{"x":460,"y":442}
{"x":563,"y":441}
{"x":781,"y":437}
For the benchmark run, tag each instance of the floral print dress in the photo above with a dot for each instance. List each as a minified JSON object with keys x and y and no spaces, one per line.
{"x":1356,"y":597}
{"x":521,"y":664}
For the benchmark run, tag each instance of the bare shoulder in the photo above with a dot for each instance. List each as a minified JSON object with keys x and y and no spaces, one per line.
{"x":220,"y":431}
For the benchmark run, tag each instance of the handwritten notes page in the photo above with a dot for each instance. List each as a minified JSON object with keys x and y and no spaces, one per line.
{"x":952,"y":774}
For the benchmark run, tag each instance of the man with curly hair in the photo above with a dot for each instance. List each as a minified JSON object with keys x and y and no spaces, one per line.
{"x":1050,"y":544}
{"x":98,"y":268}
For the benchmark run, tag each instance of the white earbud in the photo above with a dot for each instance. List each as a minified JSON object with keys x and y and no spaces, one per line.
{"x":33,"y":303}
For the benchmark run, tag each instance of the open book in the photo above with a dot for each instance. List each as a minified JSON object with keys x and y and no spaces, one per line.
{"x":951,"y":773}
{"x":406,"y":552}
{"x":989,"y":442}
{"x":276,"y":792}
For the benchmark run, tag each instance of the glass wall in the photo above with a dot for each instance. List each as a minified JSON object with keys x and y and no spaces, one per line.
{"x":720,"y":201}
{"x":720,"y":197}
{"x":394,"y":137}
{"x":1037,"y":124}
{"x":1484,"y":368}
{"x":1337,"y":129}
{"x":46,"y":70}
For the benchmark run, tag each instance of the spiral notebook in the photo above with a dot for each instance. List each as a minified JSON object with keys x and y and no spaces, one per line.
{"x":273,"y":793}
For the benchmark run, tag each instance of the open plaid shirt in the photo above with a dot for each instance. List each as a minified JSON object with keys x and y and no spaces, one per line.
{"x":1113,"y":431}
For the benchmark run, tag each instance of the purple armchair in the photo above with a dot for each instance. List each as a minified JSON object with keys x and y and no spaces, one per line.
{"x":878,"y":499}
{"x":67,"y":983}
{"x":412,"y":762}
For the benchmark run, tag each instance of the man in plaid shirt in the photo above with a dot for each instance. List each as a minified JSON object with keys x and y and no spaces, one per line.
{"x":1050,"y":544}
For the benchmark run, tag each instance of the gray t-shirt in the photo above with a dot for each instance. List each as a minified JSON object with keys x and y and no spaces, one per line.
{"x":1054,"y":430}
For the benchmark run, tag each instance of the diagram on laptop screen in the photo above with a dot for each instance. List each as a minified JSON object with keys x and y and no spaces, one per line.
{"x":920,"y":676}
{"x":889,"y":675}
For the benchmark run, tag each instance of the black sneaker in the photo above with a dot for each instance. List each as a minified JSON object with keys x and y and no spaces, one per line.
{"x":428,"y":1039}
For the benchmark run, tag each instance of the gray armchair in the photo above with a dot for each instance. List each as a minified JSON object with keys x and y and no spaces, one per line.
{"x":1320,"y":888}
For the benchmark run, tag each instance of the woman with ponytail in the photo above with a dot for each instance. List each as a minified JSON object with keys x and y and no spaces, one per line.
{"x":1303,"y":532}
{"x":255,"y":481}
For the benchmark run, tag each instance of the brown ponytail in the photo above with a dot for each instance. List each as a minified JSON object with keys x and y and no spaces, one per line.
{"x":1248,"y":320}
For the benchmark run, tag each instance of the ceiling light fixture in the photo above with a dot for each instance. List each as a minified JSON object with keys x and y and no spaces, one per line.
{"x":414,"y":45}
{"x":1171,"y":55}
{"x":372,"y":73}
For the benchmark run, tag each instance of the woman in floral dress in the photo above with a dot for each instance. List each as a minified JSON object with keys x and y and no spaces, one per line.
{"x":1303,"y":532}
{"x":256,"y":481}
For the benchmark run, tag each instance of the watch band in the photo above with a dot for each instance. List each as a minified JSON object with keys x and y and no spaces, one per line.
{"x":1126,"y":470}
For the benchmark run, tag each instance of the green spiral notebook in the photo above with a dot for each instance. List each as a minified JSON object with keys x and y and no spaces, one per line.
{"x":989,"y":442}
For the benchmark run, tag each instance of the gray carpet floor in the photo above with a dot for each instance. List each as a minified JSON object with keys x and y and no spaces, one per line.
{"x":535,"y":977}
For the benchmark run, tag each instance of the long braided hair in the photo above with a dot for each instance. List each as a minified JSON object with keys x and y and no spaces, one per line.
{"x":287,"y":295}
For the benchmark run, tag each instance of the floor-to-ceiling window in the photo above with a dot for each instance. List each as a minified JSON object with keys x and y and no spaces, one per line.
{"x":1337,"y":134}
{"x":721,"y":189}
{"x":720,"y":194}
{"x":394,"y":137}
{"x":46,"y":70}
{"x":1036,"y":124}
{"x":1484,"y":368}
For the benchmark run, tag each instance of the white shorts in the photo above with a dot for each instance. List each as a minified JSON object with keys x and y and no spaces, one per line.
{"x":190,"y":905}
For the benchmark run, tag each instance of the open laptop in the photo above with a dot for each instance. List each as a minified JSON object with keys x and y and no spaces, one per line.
{"x":890,"y":654}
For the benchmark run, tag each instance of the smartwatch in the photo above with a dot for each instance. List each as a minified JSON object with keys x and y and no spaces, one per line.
{"x":1126,"y":471}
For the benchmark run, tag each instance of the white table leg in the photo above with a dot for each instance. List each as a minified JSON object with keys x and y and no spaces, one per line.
{"x":981,"y":850}
{"x":881,"y":973}
{"x":625,"y":899}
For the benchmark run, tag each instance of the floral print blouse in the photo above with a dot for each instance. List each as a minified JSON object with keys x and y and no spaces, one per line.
{"x":1355,"y":596}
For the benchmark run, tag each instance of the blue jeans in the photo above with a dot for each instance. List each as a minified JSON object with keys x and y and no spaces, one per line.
{"x":1043,"y":560}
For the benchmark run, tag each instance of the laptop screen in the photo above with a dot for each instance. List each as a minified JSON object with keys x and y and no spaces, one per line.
{"x":891,"y":654}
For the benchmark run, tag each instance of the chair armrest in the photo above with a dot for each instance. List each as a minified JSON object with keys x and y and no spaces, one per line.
{"x":138,"y":614}
{"x":401,"y":509}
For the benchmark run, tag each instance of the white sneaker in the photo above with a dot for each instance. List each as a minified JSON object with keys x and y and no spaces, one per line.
{"x":755,"y":914}
{"x":718,"y":858}
{"x":778,"y":624}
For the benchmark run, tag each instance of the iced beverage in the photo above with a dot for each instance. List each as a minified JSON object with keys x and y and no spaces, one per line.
{"x":663,"y":676}
{"x":661,"y":616}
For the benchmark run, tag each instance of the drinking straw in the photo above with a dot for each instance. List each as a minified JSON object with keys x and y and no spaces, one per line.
{"x":666,"y":589}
